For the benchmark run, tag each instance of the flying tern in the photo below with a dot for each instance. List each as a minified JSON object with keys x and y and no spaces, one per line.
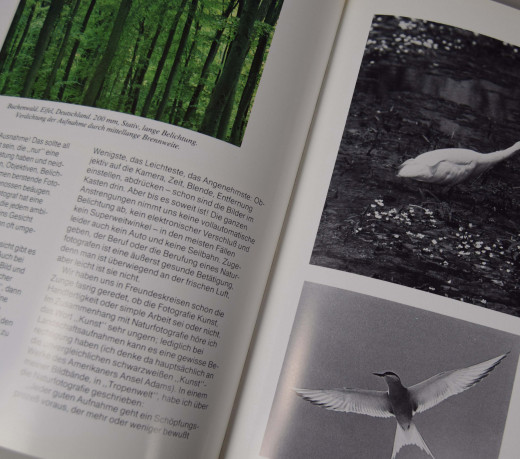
{"x":402,"y":402}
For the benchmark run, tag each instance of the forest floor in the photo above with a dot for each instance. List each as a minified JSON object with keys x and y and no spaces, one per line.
{"x":462,"y":243}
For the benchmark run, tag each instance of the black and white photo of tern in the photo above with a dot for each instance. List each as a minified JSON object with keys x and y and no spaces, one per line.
{"x":402,"y":402}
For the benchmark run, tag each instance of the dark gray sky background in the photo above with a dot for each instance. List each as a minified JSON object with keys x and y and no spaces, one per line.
{"x":340,"y":338}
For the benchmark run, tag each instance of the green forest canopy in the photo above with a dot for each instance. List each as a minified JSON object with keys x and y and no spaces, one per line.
{"x":192,"y":63}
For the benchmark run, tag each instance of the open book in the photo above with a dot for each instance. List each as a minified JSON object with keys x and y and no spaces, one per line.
{"x":215,"y":212}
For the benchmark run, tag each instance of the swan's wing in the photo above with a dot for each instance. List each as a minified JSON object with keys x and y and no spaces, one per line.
{"x":434,"y":390}
{"x":369,"y":402}
{"x":447,"y":166}
{"x":442,"y":172}
{"x":452,"y":172}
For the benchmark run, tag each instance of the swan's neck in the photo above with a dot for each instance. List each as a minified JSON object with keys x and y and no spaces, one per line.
{"x":503,"y":154}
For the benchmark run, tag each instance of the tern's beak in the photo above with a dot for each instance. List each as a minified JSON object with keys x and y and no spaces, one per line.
{"x":379,"y":374}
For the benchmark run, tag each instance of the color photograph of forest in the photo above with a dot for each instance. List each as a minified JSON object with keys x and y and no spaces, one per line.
{"x":192,"y":63}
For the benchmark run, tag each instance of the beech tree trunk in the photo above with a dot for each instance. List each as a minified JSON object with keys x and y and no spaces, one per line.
{"x":94,"y":87}
{"x":52,"y":16}
{"x":231,"y":71}
{"x":176,"y":61}
{"x":162,"y":61}
{"x":74,"y":49}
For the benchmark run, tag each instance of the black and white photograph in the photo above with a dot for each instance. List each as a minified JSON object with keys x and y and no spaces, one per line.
{"x":350,"y":356}
{"x":425,"y":190}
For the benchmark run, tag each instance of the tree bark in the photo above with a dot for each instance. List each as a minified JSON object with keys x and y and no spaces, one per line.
{"x":74,"y":50}
{"x":142,"y":68}
{"x":162,"y":61}
{"x":57,"y":63}
{"x":176,"y":61}
{"x":96,"y":83}
{"x":254,"y":73}
{"x":183,"y":84}
{"x":14,"y":57}
{"x":192,"y":107}
{"x":231,"y":71}
{"x":122,"y":99}
{"x":52,"y":16}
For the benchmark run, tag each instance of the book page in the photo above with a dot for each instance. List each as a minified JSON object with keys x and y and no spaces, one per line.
{"x":384,"y":280}
{"x":147,"y":157}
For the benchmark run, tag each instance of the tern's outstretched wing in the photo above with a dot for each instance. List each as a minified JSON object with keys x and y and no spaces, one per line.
{"x":370,"y":402}
{"x":434,"y":390}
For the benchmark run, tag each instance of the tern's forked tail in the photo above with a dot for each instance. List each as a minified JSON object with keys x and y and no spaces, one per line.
{"x":409,"y":437}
